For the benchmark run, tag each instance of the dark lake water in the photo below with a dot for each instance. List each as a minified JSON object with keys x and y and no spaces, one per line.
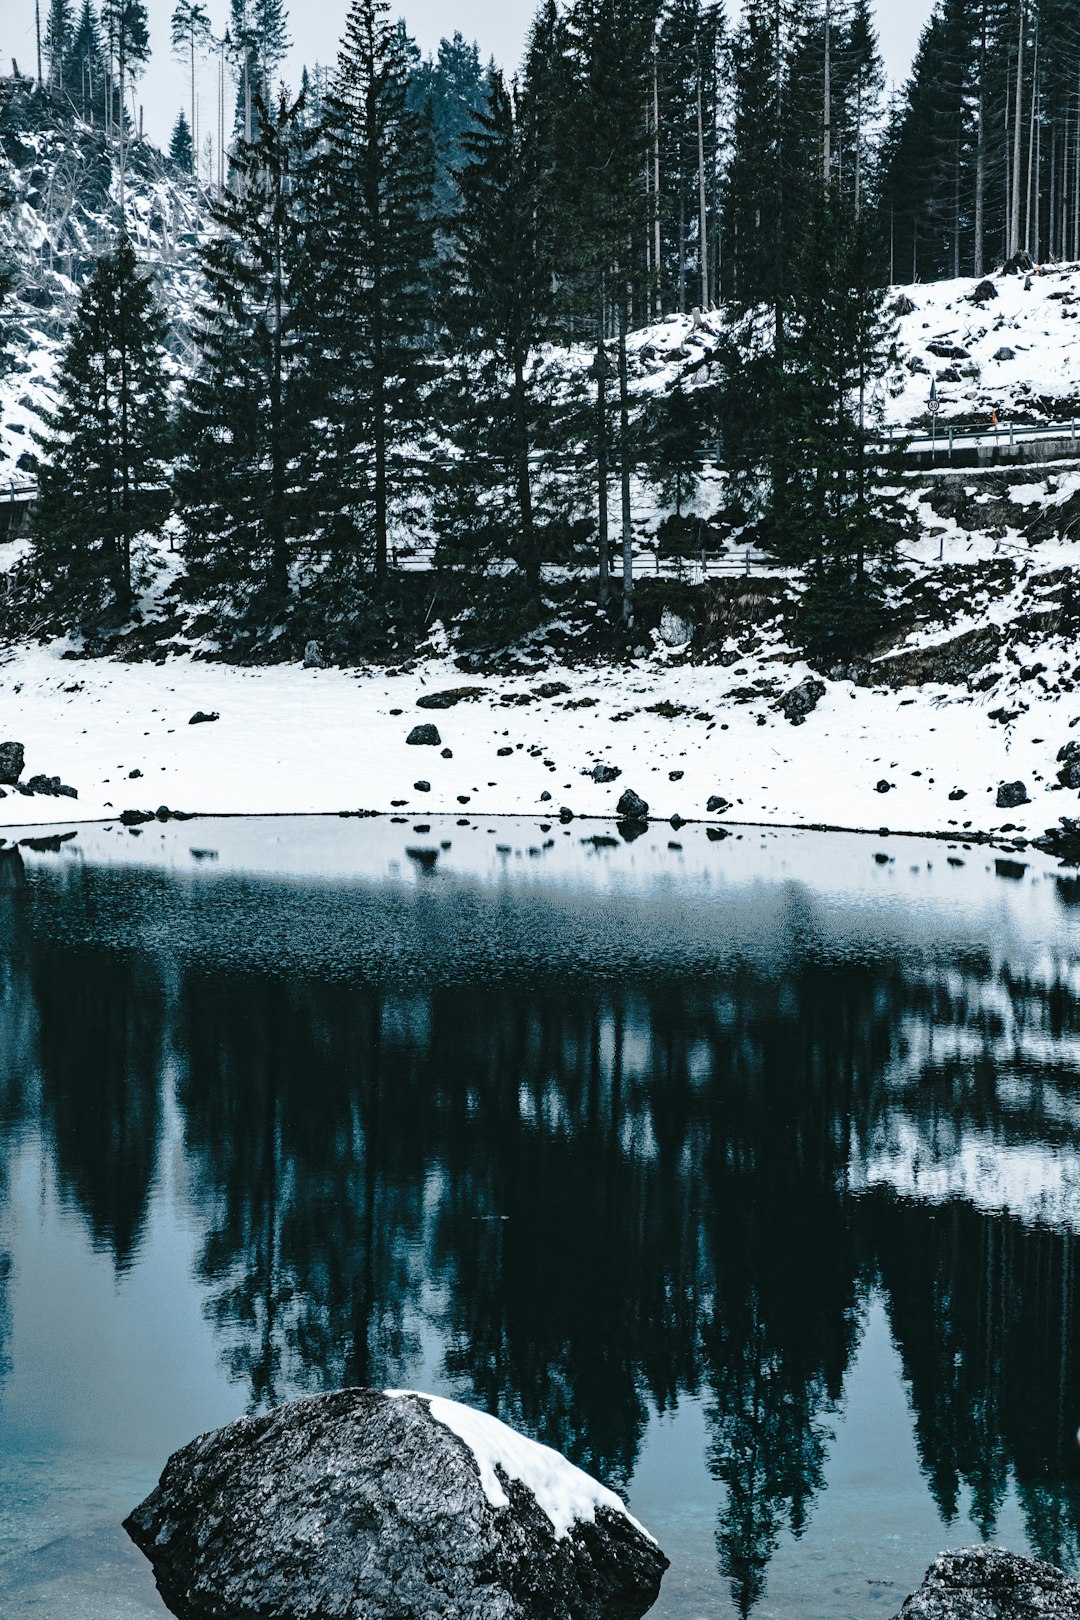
{"x":744,"y":1171}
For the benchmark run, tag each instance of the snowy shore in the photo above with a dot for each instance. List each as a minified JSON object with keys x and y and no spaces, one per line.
{"x":296,"y":741}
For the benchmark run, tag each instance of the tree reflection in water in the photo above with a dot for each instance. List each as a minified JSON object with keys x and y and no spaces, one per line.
{"x":596,"y":1194}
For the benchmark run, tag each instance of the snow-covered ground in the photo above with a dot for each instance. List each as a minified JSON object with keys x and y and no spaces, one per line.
{"x":292,"y":741}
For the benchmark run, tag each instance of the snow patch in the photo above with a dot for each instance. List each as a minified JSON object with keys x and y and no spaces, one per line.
{"x":566,"y":1494}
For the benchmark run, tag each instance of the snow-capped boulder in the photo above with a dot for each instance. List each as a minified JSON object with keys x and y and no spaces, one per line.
{"x":394,"y":1506}
{"x":802,"y":700}
{"x":987,"y":1583}
{"x":12,"y":760}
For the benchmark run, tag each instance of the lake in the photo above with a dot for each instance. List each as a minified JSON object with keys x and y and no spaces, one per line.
{"x":743,"y":1169}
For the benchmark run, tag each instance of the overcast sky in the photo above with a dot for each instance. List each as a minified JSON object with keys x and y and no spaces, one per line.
{"x":499,"y":26}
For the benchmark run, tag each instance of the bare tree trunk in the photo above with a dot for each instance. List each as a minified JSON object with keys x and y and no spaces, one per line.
{"x":657,"y":244}
{"x":624,"y":466}
{"x":980,"y":155}
{"x":827,"y":111}
{"x":600,"y":366}
{"x":1032,"y":177}
{"x":1018,"y":124}
{"x":703,"y":229}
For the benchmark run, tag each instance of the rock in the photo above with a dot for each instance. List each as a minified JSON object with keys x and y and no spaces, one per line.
{"x":605,"y":773}
{"x":551,"y":689}
{"x":957,"y":794}
{"x":201,"y":719}
{"x":447,"y":753}
{"x":675,"y":776}
{"x":1069,"y":760}
{"x":716,"y":804}
{"x":421,"y":787}
{"x":882,"y":786}
{"x":1062,"y":841}
{"x":675,"y":631}
{"x":313,"y":656}
{"x":987,"y":1583}
{"x":50,"y":786}
{"x":943,"y":350}
{"x":12,"y":760}
{"x":565,"y":814}
{"x":1019,"y":264}
{"x":425,"y":736}
{"x":985,"y":293}
{"x":503,"y":752}
{"x":1005,"y":353}
{"x":393,"y":1507}
{"x":1010,"y":794}
{"x":632,"y":807}
{"x":545,"y":797}
{"x":801,"y":700}
{"x":447,"y":699}
{"x":903,"y":306}
{"x":133,"y":776}
{"x":135,"y":818}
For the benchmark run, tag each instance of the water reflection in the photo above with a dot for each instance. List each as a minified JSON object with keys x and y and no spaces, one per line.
{"x":595,"y":1193}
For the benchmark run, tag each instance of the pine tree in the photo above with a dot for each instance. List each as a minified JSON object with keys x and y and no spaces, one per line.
{"x":180,"y":149}
{"x":370,"y":292}
{"x":84,"y":68}
{"x":103,"y":445}
{"x":454,"y":85}
{"x":190,"y":32}
{"x":673,"y":433}
{"x":59,"y":32}
{"x":243,"y":427}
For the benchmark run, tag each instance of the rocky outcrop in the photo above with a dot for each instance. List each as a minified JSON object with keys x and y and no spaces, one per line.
{"x":12,"y":760}
{"x":987,"y":1583}
{"x":394,"y":1507}
{"x":1068,"y":759}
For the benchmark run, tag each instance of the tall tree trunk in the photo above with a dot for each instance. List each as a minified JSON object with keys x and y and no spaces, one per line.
{"x":658,"y":303}
{"x":600,"y":366}
{"x":703,"y":231}
{"x":530,"y":559}
{"x":624,"y":464}
{"x":980,"y":154}
{"x":123,"y":593}
{"x":1032,"y":174}
{"x":1018,"y":125}
{"x":827,"y":111}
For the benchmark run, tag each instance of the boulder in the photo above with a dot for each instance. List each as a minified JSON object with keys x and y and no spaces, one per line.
{"x":12,"y":760}
{"x":882,"y":786}
{"x":447,"y":699}
{"x":201,"y":719}
{"x":801,"y":700}
{"x":903,"y":305}
{"x":1069,"y":760}
{"x":632,"y":807}
{"x":605,"y":773}
{"x":1005,"y":353}
{"x":425,"y":736}
{"x":675,"y":631}
{"x":987,"y":1583}
{"x":313,"y":656}
{"x":421,"y":787}
{"x":717,"y":804}
{"x":394,"y":1506}
{"x":1011,"y":794}
{"x":984,"y":293}
{"x":50,"y":786}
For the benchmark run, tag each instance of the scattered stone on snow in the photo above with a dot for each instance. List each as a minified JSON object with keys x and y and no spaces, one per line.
{"x":394,"y":1506}
{"x":675,"y":631}
{"x":984,"y":293}
{"x":802,"y":700}
{"x":50,"y":786}
{"x":604,"y":773}
{"x":988,"y":1583}
{"x":957,"y":794}
{"x":1005,"y":353}
{"x":1011,"y":794}
{"x":1069,"y":760}
{"x":632,"y":807}
{"x":422,"y":787}
{"x":447,"y":700}
{"x":675,"y":776}
{"x":12,"y":762}
{"x":503,"y":752}
{"x":424,"y":736}
{"x":716,"y":804}
{"x":201,"y":719}
{"x":882,"y":786}
{"x":313,"y":656}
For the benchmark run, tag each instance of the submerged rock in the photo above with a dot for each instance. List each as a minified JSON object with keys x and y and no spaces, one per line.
{"x":394,"y":1507}
{"x":987,"y":1583}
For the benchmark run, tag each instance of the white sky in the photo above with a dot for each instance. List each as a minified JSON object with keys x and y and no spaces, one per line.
{"x":499,"y":26}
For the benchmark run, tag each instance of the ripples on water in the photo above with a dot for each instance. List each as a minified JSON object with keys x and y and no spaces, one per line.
{"x":744,"y":1172}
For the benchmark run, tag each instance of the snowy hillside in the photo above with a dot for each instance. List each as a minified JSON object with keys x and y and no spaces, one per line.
{"x":63,"y":180}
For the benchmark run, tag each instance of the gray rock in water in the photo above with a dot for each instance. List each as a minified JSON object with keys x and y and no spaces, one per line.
{"x":313,"y":656}
{"x":12,"y":760}
{"x":632,"y":806}
{"x":986,"y":1583}
{"x":801,"y":700}
{"x":360,"y":1503}
{"x":426,"y":736}
{"x":1011,"y":794}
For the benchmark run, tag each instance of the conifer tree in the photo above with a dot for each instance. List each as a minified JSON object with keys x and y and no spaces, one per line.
{"x":59,"y":33}
{"x":84,"y":70}
{"x":673,"y":446}
{"x":104,"y":443}
{"x":242,"y":430}
{"x":190,"y":32}
{"x":180,"y":149}
{"x":455,"y":86}
{"x":370,"y":293}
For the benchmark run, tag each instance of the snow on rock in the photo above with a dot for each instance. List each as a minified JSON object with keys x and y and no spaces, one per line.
{"x":566,"y":1494}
